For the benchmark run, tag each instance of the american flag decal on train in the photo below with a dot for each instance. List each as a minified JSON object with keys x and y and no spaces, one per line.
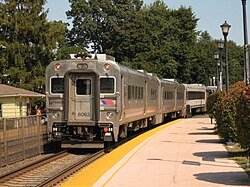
{"x":107,"y":102}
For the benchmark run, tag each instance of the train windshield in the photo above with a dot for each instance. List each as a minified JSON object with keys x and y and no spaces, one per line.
{"x":107,"y":85}
{"x":83,"y":87}
{"x":57,"y":85}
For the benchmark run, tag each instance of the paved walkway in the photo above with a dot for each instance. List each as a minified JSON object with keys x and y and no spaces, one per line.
{"x":185,"y":153}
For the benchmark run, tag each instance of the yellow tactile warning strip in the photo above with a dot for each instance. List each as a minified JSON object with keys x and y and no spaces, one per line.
{"x":89,"y":175}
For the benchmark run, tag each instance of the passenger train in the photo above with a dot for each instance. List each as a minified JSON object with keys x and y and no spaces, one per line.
{"x":93,"y":101}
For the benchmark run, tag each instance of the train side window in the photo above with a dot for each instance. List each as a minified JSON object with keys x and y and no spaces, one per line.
{"x":1,"y":114}
{"x":129,"y":92}
{"x":153,"y":94}
{"x":57,"y":85}
{"x":133,"y":92}
{"x":142,"y":90}
{"x":136,"y":92}
{"x":107,"y":85}
{"x":83,"y":87}
{"x":140,"y":93}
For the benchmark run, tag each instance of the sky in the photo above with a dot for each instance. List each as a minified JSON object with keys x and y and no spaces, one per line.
{"x":211,"y":14}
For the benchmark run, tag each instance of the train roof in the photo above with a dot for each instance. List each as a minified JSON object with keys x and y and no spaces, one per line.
{"x":195,"y":86}
{"x":84,"y":56}
{"x":92,"y":56}
{"x":169,"y":81}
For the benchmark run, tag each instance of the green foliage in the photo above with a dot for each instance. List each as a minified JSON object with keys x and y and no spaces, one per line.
{"x":99,"y":23}
{"x":236,"y":62}
{"x":150,"y":37}
{"x":203,"y":63}
{"x":65,"y":51}
{"x":224,"y":115}
{"x":211,"y":101}
{"x":232,"y":114}
{"x":243,"y":117}
{"x":28,"y":40}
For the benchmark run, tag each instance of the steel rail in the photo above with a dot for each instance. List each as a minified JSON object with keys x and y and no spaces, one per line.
{"x":12,"y":174}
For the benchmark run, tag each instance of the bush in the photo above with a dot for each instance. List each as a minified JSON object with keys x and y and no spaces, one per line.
{"x":243,"y":118}
{"x":224,"y":115}
{"x":225,"y":112}
{"x":232,"y":114}
{"x":211,"y":101}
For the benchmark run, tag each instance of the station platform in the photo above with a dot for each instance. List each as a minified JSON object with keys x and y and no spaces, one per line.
{"x":182,"y":153}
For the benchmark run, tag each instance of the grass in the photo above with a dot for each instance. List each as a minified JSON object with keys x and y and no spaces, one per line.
{"x":239,"y":155}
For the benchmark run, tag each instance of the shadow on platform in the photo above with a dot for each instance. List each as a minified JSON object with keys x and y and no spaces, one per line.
{"x":226,"y":178}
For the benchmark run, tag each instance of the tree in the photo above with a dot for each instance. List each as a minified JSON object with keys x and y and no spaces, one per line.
{"x":153,"y":37}
{"x":159,"y":40}
{"x":65,"y":51}
{"x":96,"y":23}
{"x":204,"y":65}
{"x":29,"y":40}
{"x":236,"y":62}
{"x":185,"y":36}
{"x":157,"y":50}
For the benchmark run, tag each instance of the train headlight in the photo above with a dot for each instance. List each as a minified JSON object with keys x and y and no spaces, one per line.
{"x":55,"y":115}
{"x":109,"y":115}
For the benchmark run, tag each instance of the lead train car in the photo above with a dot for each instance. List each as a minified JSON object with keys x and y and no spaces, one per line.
{"x":94,"y":102}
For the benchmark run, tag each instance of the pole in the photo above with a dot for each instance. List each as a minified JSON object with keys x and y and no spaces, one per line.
{"x":246,"y":56}
{"x":221,"y":70}
{"x":217,"y":76}
{"x":226,"y":56}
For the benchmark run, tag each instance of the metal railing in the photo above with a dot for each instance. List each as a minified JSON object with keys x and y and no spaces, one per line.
{"x":21,"y":138}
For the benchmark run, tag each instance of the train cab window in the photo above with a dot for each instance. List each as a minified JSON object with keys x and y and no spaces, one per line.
{"x":192,"y":95}
{"x":57,"y":85}
{"x":180,"y":95}
{"x":83,"y":87}
{"x":107,"y":85}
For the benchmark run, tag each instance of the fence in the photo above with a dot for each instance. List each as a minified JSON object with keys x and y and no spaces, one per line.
{"x":21,"y":138}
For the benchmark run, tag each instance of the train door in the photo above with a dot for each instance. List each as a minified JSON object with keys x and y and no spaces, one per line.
{"x":145,"y":97}
{"x":122,"y":97}
{"x":175,"y":97}
{"x":82,"y":98}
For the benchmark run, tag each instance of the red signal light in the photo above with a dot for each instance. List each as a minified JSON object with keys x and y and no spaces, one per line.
{"x":105,"y":129}
{"x":58,"y":67}
{"x":107,"y":67}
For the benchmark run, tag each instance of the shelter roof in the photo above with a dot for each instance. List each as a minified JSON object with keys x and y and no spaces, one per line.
{"x":10,"y":91}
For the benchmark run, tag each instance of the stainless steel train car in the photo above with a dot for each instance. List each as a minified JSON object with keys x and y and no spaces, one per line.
{"x":94,"y":101}
{"x":196,"y":96}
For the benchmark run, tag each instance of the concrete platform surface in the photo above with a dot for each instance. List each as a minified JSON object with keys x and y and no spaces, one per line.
{"x":184,"y":153}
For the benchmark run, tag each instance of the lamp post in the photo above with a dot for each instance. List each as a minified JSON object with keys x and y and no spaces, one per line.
{"x":225,"y":28}
{"x":220,"y":45}
{"x":216,"y":57}
{"x":246,"y":57}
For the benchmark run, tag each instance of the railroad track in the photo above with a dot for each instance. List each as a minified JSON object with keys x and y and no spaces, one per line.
{"x":49,"y":171}
{"x":54,"y":170}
